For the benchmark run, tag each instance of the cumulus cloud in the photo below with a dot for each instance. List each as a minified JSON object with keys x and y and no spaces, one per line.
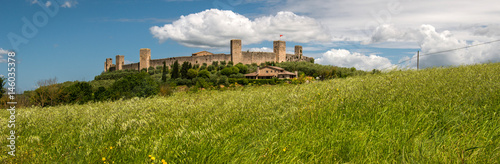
{"x":48,"y":3}
{"x":344,"y":58}
{"x":431,"y":41}
{"x":214,"y":28}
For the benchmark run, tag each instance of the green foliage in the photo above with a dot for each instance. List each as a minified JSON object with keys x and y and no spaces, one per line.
{"x":226,"y":71}
{"x":184,"y":70}
{"x":175,"y":70}
{"x":223,"y":63}
{"x":204,"y":74}
{"x":192,"y":73}
{"x":242,"y":68}
{"x":79,"y":92}
{"x":3,"y":80}
{"x":135,"y":85}
{"x":101,"y":94}
{"x":428,"y":116}
{"x":114,"y":75}
{"x":211,"y":68}
{"x":164,"y":73}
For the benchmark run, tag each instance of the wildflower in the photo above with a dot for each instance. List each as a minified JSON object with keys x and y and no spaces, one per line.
{"x":163,"y":161}
{"x":284,"y":149}
{"x":152,"y":158}
{"x":110,"y":147}
{"x":103,"y":158}
{"x":149,"y":156}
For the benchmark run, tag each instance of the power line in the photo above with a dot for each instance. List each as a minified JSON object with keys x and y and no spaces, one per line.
{"x":449,"y":50}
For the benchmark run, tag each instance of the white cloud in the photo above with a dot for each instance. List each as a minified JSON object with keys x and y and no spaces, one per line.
{"x":430,"y":41}
{"x":214,"y":28}
{"x":263,"y":49}
{"x":355,"y":20}
{"x":490,"y":30}
{"x":2,"y":54}
{"x":344,"y":58}
{"x":48,"y":3}
{"x":127,"y":62}
{"x":68,"y":3}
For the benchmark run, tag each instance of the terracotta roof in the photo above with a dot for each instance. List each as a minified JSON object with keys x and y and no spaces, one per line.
{"x":271,"y":74}
{"x":274,"y":67}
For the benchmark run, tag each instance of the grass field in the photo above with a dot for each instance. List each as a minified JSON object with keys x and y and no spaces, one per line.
{"x":440,"y":115}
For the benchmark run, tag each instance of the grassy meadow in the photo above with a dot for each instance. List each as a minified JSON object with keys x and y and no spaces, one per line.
{"x":438,"y":115}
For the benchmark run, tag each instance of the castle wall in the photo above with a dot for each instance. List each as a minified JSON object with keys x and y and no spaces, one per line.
{"x":257,"y":57}
{"x":133,"y":66}
{"x":237,"y":56}
{"x":192,"y":59}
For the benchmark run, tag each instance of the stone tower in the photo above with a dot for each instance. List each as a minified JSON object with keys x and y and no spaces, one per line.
{"x":298,"y":51}
{"x":120,"y":61}
{"x":280,"y":51}
{"x":236,"y":55}
{"x":108,"y":64}
{"x":145,"y":57}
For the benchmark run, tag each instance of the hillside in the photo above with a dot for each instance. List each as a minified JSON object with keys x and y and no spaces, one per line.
{"x":439,"y":115}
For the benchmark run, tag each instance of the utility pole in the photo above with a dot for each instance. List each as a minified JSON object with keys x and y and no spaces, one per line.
{"x":418,"y":59}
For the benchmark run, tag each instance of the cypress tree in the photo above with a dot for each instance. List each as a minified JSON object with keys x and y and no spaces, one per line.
{"x":164,"y":73}
{"x":175,"y":70}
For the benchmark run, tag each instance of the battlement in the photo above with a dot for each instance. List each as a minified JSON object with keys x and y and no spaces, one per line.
{"x":237,"y":56}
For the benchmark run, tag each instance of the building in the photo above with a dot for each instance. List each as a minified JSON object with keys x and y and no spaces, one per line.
{"x":237,"y":56}
{"x":269,"y":72}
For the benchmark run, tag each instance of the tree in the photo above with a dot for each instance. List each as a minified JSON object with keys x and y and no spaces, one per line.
{"x":184,"y":70}
{"x":175,"y":70}
{"x":192,"y":73}
{"x":204,"y":74}
{"x":164,"y":73}
{"x":3,"y":80}
{"x":223,"y":63}
{"x":79,"y":92}
{"x":134,"y":85}
{"x":227,"y":71}
{"x":243,"y":68}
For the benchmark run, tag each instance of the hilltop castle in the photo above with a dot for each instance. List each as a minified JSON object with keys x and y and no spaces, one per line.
{"x":237,"y":56}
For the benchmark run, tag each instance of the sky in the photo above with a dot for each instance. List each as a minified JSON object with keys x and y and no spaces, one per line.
{"x":70,"y":39}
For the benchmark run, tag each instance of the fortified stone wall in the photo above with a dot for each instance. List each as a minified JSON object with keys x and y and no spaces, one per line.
{"x":133,"y":66}
{"x":237,"y":56}
{"x":257,"y":57}
{"x":192,"y":59}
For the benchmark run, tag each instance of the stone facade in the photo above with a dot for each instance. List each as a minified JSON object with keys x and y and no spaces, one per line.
{"x":237,"y":56}
{"x":120,"y":61}
{"x":145,"y":58}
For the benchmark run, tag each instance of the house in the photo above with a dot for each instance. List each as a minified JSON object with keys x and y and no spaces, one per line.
{"x":269,"y":72}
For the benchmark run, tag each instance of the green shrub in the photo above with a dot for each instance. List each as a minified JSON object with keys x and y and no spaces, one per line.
{"x":135,"y":85}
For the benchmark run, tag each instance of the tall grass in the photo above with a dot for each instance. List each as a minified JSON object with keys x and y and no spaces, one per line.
{"x":440,"y":115}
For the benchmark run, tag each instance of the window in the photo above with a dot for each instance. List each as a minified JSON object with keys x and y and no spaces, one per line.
{"x":267,"y":71}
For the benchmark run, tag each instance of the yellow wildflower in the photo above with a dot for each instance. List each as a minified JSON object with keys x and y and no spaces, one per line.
{"x":149,"y":156}
{"x":152,"y":158}
{"x":284,"y":149}
{"x":111,"y":147}
{"x":103,"y":159}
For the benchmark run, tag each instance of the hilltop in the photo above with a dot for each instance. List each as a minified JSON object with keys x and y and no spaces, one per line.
{"x":438,"y":115}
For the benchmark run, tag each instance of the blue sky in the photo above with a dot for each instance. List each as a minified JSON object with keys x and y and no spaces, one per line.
{"x":74,"y":43}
